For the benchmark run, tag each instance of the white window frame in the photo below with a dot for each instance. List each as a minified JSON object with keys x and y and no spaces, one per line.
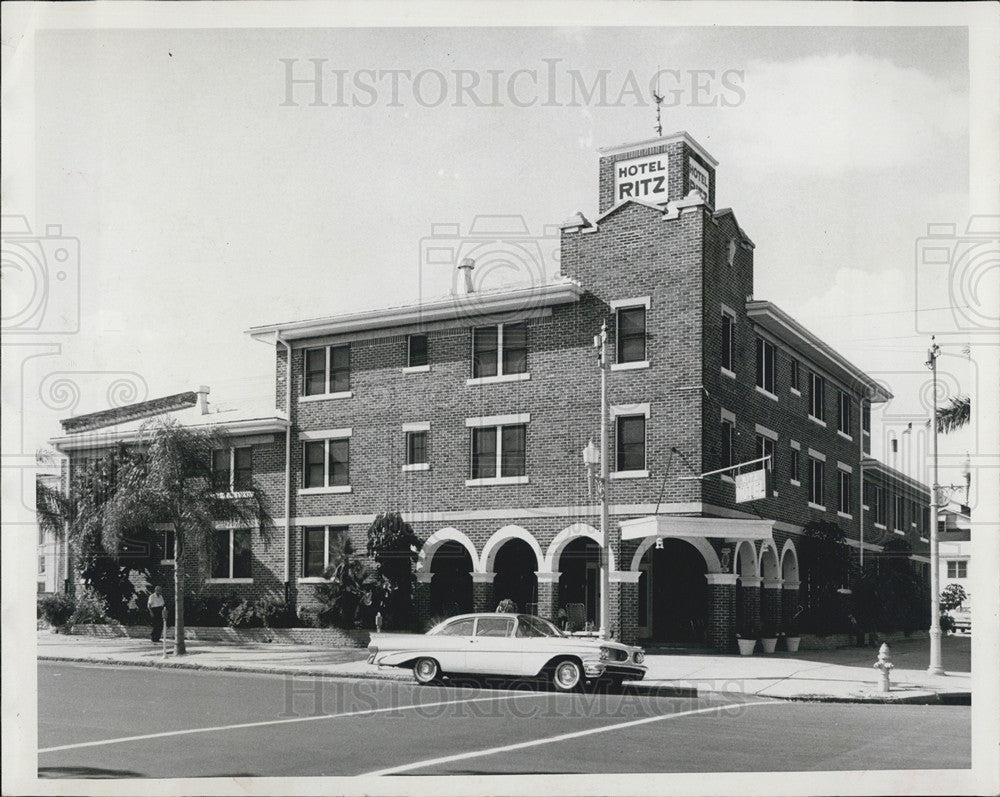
{"x":231,"y":492}
{"x":813,"y":376}
{"x":844,"y":497}
{"x":231,"y":579}
{"x":762,"y":389}
{"x":417,"y":369}
{"x":341,"y":394}
{"x":842,"y":396}
{"x":956,"y":562}
{"x":630,"y":411}
{"x":813,"y":461}
{"x":500,"y":375}
{"x":499,"y":421}
{"x":408,"y":429}
{"x":617,"y":305}
{"x":730,"y":344}
{"x":324,"y":435}
{"x":326,"y":553}
{"x":727,"y":417}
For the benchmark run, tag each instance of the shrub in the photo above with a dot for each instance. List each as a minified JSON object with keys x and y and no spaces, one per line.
{"x":243,"y":614}
{"x":205,"y":610}
{"x":91,"y":609}
{"x":275,"y":613}
{"x":56,"y":609}
{"x":308,"y":619}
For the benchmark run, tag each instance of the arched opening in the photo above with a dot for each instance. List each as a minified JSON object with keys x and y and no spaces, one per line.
{"x":673,"y":594}
{"x":580,"y":582}
{"x":515,"y":566}
{"x":746,"y":567}
{"x":451,"y":580}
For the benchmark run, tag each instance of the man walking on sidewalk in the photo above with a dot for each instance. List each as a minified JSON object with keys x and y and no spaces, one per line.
{"x":156,"y":604}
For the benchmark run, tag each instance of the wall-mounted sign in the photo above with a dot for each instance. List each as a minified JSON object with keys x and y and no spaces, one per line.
{"x":698,"y":177}
{"x":642,"y":178}
{"x":751,"y":486}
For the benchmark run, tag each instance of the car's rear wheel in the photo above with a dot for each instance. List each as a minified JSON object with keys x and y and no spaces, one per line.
{"x":567,"y":675}
{"x":426,"y":671}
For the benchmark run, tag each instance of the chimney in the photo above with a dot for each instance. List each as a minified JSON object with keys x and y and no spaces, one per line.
{"x":465,"y":284}
{"x":203,"y":392}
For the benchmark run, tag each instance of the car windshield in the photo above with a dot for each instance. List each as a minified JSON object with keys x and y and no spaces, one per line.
{"x":535,"y":626}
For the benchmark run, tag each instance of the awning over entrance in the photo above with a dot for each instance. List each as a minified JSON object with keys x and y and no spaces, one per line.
{"x":730,"y":529}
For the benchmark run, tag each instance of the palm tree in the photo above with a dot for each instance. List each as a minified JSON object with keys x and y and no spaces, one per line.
{"x":172,"y":483}
{"x":955,"y":415}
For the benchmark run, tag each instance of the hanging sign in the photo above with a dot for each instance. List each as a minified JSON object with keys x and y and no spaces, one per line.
{"x":751,"y":486}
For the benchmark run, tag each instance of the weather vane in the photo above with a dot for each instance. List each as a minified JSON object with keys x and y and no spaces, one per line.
{"x":659,"y":102}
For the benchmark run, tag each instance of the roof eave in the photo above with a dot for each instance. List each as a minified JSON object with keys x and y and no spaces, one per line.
{"x":97,"y":439}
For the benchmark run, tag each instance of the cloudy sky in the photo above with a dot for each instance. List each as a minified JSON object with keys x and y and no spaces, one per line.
{"x":209,"y":195}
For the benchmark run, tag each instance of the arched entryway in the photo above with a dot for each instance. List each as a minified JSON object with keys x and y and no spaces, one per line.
{"x":673,"y":593}
{"x":747,"y":609}
{"x":515,"y":564}
{"x":451,"y":580}
{"x":579,"y":566}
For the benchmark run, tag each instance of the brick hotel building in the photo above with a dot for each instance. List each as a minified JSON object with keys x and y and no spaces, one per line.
{"x":468,"y":414}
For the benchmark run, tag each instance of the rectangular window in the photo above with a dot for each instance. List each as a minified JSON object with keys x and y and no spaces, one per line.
{"x":233,"y":554}
{"x":164,"y":544}
{"x":484,"y":352}
{"x":817,"y":389}
{"x":844,"y":492}
{"x":499,"y":350}
{"x":220,"y":470}
{"x":512,"y":440}
{"x":793,"y":468}
{"x":232,"y":469}
{"x":242,"y":469}
{"x":327,"y":370}
{"x":898,"y":513}
{"x":728,"y":341}
{"x":320,"y":547}
{"x":631,"y":334}
{"x":866,"y":419}
{"x":881,"y":506}
{"x":957,"y":568}
{"x":726,"y":453}
{"x":765,"y":448}
{"x":630,"y":437}
{"x":515,"y":348}
{"x":765,"y":365}
{"x":416,"y":448}
{"x":416,"y":351}
{"x":326,"y":463}
{"x":843,"y":412}
{"x":498,"y":450}
{"x":816,"y":474}
{"x":794,"y":374}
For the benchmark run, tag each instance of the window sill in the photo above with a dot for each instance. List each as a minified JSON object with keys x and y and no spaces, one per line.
{"x":346,"y":488}
{"x":169,"y":562}
{"x":765,"y":392}
{"x":629,"y":474}
{"x":816,"y":420}
{"x":726,"y":372}
{"x":924,"y":539}
{"x":728,"y":479}
{"x":866,"y":507}
{"x":417,"y":466}
{"x":820,"y":507}
{"x":496,"y":480}
{"x":239,"y":494}
{"x":845,"y":435}
{"x":312,"y":580}
{"x":900,"y":533}
{"x":630,"y":366}
{"x":795,"y":482}
{"x":493,"y":380}
{"x":417,"y":369}
{"x":346,"y":394}
{"x":845,"y":515}
{"x":880,"y":526}
{"x":795,"y":391}
{"x":229,"y":581}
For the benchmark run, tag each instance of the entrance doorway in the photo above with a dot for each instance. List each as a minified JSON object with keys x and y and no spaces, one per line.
{"x":673,"y":594}
{"x":451,"y":580}
{"x":579,"y":582}
{"x":515,"y":566}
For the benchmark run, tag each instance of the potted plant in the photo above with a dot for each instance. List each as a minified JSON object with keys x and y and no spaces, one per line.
{"x":768,"y":639}
{"x":792,"y":637}
{"x":747,"y":639}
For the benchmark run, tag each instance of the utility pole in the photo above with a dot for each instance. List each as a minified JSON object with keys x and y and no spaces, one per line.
{"x":605,"y":539}
{"x":934,"y":668}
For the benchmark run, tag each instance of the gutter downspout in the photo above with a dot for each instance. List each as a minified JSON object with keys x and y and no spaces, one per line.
{"x":861,"y":479}
{"x":288,"y":461}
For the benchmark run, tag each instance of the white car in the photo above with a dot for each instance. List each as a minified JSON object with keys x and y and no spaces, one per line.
{"x":510,"y":645}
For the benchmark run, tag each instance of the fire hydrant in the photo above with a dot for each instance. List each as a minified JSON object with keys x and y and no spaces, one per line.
{"x":884,"y":664}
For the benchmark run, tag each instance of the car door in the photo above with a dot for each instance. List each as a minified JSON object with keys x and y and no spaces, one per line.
{"x":493,"y":650}
{"x":451,"y":643}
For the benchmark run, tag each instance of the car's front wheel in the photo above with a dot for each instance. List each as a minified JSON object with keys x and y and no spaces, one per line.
{"x":426,"y":671}
{"x":567,"y":675}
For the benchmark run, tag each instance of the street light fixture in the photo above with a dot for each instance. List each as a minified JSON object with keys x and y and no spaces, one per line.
{"x":592,"y":457}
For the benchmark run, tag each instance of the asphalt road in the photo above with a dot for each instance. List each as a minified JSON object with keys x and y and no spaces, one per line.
{"x":99,"y":721}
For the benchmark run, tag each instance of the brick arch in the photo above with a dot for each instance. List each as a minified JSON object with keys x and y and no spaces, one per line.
{"x":499,"y":537}
{"x":566,"y":536}
{"x":745,"y":553}
{"x":789,"y":562}
{"x":439,"y":538}
{"x":703,"y":546}
{"x":767,"y":564}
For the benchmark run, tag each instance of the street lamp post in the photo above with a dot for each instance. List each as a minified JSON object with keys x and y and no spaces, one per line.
{"x":592,"y":457}
{"x":934,"y":668}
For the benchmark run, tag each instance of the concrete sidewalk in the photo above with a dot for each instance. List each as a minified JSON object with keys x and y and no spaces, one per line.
{"x":829,"y":675}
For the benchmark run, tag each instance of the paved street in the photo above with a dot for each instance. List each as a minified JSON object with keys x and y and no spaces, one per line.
{"x":101,"y":721}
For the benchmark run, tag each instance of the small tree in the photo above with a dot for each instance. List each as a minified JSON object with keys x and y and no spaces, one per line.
{"x":351,"y":590}
{"x":393,"y":546}
{"x":952,"y":597}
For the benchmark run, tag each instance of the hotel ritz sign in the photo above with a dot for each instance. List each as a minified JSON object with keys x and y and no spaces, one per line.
{"x":645,"y":179}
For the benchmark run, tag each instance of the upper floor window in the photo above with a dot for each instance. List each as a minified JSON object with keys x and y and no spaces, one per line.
{"x":958,"y":568}
{"x":899,"y":513}
{"x":320,"y":547}
{"x":631,"y":338}
{"x":326,"y":463}
{"x":728,"y":431}
{"x":793,"y":466}
{"x":844,"y":488}
{"x":765,"y":448}
{"x":881,"y":506}
{"x":866,"y":419}
{"x":233,"y":555}
{"x":816,"y":475}
{"x":327,"y":370}
{"x":232,"y":469}
{"x":416,"y":351}
{"x":728,"y":341}
{"x":498,"y":451}
{"x":793,"y":374}
{"x":630,"y":443}
{"x":817,"y":391}
{"x":499,"y":350}
{"x":765,"y":365}
{"x":416,"y":447}
{"x":844,"y":412}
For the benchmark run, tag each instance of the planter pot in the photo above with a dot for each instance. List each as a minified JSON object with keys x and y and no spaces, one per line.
{"x":746,"y":646}
{"x":792,"y":644}
{"x":768,"y":644}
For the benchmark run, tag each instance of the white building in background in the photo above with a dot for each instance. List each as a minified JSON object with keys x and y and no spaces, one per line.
{"x":955,"y":547}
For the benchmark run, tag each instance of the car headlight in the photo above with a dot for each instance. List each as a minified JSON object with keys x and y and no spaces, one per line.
{"x":606,"y":654}
{"x":639,"y":657}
